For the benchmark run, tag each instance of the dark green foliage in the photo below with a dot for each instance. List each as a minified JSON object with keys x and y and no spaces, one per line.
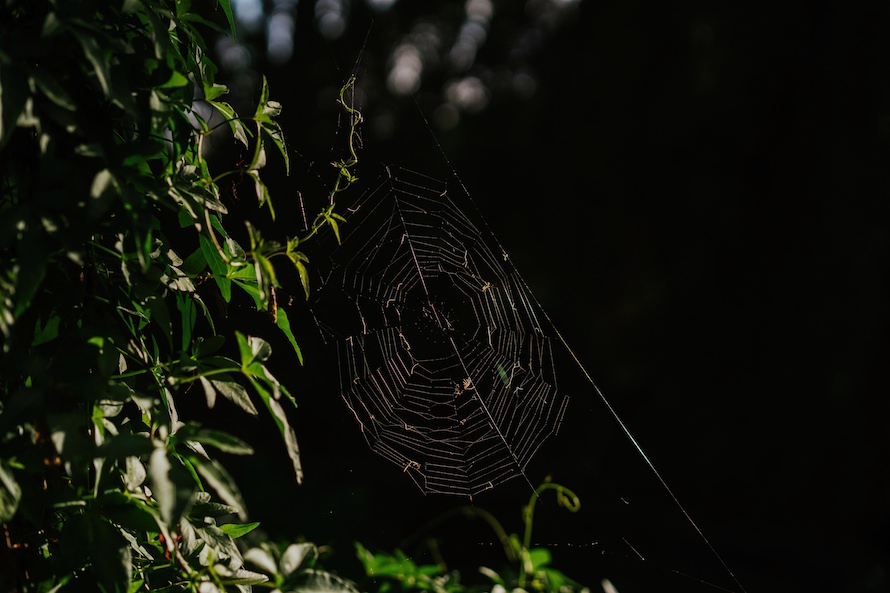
{"x":114,"y":263}
{"x":116,"y":266}
{"x":528,"y":568}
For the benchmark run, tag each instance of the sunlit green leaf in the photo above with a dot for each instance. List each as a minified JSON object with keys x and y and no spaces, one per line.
{"x":177,"y":79}
{"x":244,"y":578}
{"x":290,"y":437}
{"x":539,"y":557}
{"x":318,"y":581}
{"x":304,"y":276}
{"x":236,"y":530}
{"x":98,"y":56}
{"x":264,"y":98}
{"x":220,"y":480}
{"x":295,"y":556}
{"x":217,"y":266}
{"x":283,"y":324}
{"x":239,"y":130}
{"x":275,"y":133}
{"x":52,"y":89}
{"x":235,"y":393}
{"x":261,"y":558}
{"x":10,"y":493}
{"x":223,"y":441}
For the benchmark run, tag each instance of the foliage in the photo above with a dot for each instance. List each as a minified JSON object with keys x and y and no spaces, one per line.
{"x":528,"y":568}
{"x":115,"y":273}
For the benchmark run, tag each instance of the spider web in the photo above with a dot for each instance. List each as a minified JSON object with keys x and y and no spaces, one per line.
{"x":444,"y":359}
{"x":445,"y":356}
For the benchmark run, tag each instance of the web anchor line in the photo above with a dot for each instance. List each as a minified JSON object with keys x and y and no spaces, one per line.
{"x":612,"y":411}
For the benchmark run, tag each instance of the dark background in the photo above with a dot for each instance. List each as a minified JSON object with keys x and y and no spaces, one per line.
{"x":697,"y":195}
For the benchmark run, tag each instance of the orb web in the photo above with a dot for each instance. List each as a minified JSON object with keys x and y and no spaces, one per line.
{"x":443,"y":357}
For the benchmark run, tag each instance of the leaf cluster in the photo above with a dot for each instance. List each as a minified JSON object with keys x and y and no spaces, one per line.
{"x":115,"y":267}
{"x":528,"y":569}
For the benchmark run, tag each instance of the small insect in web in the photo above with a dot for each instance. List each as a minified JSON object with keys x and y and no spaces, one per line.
{"x":463,"y":386}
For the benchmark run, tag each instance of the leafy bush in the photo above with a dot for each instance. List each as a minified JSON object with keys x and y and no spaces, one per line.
{"x":528,"y":568}
{"x":115,"y":267}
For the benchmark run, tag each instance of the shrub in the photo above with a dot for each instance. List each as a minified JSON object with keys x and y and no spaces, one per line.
{"x":114,"y":259}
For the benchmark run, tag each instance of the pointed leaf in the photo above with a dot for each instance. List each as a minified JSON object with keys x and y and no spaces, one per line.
{"x":239,"y":130}
{"x":294,"y":557}
{"x":290,"y":437}
{"x":264,"y":98}
{"x":236,"y":530}
{"x":220,"y":480}
{"x":304,"y":276}
{"x":319,"y":581}
{"x":100,"y":59}
{"x":227,"y":9}
{"x":217,"y":266}
{"x":10,"y":493}
{"x":223,"y":441}
{"x":275,"y":133}
{"x":209,"y":391}
{"x":235,"y":393}
{"x":283,"y":324}
{"x":111,"y":557}
{"x":261,"y":558}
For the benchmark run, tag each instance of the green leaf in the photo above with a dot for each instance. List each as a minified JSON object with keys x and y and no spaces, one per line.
{"x":170,"y":484}
{"x":219,"y":479}
{"x":51,"y":88}
{"x":214,"y":91}
{"x":227,"y":9}
{"x":98,"y":56}
{"x":304,"y":276}
{"x":235,"y":393}
{"x":111,"y":557}
{"x":252,"y":349}
{"x":176,"y":80}
{"x":10,"y":493}
{"x":261,"y":558}
{"x":275,"y":133}
{"x":217,"y":266}
{"x":125,"y":445}
{"x":239,"y":130}
{"x":539,"y":557}
{"x":283,"y":324}
{"x":236,"y":530}
{"x":332,"y":220}
{"x":47,"y":332}
{"x":209,"y":391}
{"x":259,"y":112}
{"x":262,"y":192}
{"x":223,"y":441}
{"x":290,"y":437}
{"x":319,"y":581}
{"x":253,"y":290}
{"x":295,"y":556}
{"x":188,"y":316}
{"x":245,"y":577}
